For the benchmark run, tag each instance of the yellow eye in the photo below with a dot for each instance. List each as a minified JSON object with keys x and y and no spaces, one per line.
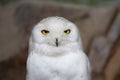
{"x":67,"y":31}
{"x":44,"y":32}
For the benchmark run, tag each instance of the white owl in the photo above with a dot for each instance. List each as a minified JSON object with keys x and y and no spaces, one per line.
{"x":55,"y":52}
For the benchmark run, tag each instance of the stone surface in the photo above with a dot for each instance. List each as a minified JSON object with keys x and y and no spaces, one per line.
{"x":102,"y":46}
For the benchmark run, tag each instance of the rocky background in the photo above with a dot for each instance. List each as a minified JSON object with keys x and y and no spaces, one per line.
{"x":99,"y":29}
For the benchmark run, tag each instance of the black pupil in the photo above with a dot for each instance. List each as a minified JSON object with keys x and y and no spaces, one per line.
{"x":46,"y":31}
{"x":66,"y":30}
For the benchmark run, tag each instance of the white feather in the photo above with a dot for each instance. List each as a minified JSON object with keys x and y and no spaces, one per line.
{"x":46,"y":61}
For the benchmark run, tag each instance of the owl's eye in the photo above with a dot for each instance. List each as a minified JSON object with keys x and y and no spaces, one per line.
{"x":44,"y":32}
{"x":67,"y":31}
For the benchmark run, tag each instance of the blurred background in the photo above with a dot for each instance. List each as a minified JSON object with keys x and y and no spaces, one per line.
{"x":97,"y":20}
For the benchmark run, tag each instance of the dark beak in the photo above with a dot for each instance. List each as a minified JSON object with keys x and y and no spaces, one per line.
{"x":56,"y":42}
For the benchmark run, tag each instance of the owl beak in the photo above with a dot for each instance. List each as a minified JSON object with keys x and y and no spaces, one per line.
{"x":56,"y":42}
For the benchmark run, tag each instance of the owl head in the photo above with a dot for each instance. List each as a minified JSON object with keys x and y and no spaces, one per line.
{"x":55,"y":31}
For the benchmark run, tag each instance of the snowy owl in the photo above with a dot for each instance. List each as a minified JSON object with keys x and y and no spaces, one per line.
{"x":55,"y":52}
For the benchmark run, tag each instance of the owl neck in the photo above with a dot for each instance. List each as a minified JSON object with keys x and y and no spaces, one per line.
{"x":47,"y":50}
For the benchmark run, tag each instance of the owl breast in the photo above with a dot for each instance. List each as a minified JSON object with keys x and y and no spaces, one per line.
{"x":68,"y":67}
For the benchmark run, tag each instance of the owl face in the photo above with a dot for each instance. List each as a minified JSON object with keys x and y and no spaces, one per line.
{"x":55,"y":31}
